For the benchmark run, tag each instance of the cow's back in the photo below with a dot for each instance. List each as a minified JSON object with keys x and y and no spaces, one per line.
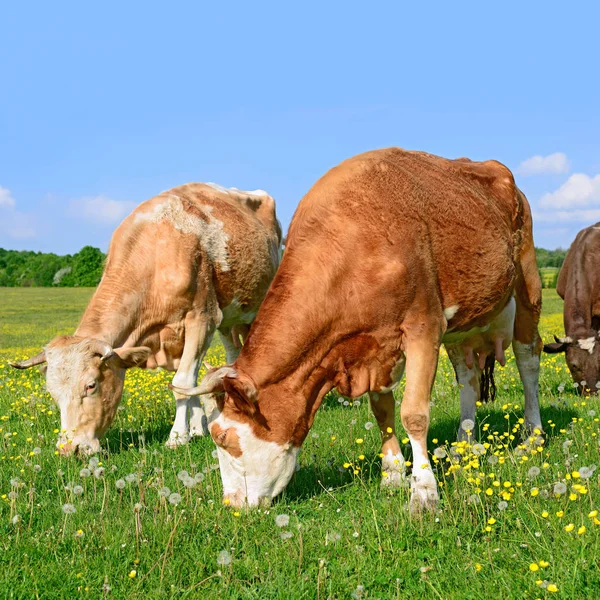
{"x":452,"y":225}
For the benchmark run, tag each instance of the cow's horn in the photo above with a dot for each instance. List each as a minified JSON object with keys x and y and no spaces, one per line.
{"x":104,"y":349}
{"x":212,"y":382}
{"x":30,"y":362}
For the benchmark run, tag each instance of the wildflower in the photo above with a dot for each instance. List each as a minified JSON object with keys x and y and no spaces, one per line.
{"x":560,"y":488}
{"x":182,"y":475}
{"x":545,"y":514}
{"x":120,"y":483}
{"x":491,"y":521}
{"x":137,"y":507}
{"x":592,"y":514}
{"x":223,"y":558}
{"x":79,"y":534}
{"x":552,"y":588}
{"x":332,"y":537}
{"x":94,"y":461}
{"x":535,"y":491}
{"x":199,"y":477}
{"x":440,"y":453}
{"x":560,"y":513}
{"x":534,"y":567}
{"x":581,"y":530}
{"x":543,"y":563}
{"x":474,"y":499}
{"x":569,"y":527}
{"x":37,"y":450}
{"x":478,"y":449}
{"x":282,"y":520}
{"x":533,"y":472}
{"x":478,"y":567}
{"x":84,"y":472}
{"x":164,"y":492}
{"x":369,"y":425}
{"x":99,"y":472}
{"x":189,"y":482}
{"x":131,"y":477}
{"x":175,"y":498}
{"x":585,"y":472}
{"x":78,"y":490}
{"x":16,"y":519}
{"x":69,"y":509}
{"x":286,"y":535}
{"x":132,"y":574}
{"x":359,"y":440}
{"x":467,"y":425}
{"x":502,"y":505}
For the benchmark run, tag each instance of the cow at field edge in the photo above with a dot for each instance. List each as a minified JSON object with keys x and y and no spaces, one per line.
{"x":191,"y":260}
{"x":389,"y":255}
{"x":579,"y":286}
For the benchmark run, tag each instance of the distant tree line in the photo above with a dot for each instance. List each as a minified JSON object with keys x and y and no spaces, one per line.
{"x":27,"y":269}
{"x":84,"y":269}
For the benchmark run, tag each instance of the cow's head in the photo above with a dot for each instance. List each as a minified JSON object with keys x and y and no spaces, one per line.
{"x":583,"y":359}
{"x":85,"y":377}
{"x":255,"y":464}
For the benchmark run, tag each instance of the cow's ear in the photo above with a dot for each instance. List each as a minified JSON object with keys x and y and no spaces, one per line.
{"x":555,"y":348}
{"x":241,"y":394}
{"x":125,"y":358}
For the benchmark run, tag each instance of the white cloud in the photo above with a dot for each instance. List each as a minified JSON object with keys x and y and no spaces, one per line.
{"x":540,"y":165}
{"x":14,"y":224}
{"x":580,"y":191}
{"x":6,"y":198}
{"x":569,"y":216}
{"x":101,"y":208}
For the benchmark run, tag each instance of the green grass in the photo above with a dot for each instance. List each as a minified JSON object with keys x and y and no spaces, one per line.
{"x":345,"y":532}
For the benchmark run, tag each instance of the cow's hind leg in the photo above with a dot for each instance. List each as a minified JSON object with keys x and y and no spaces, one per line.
{"x":527,"y":344}
{"x":422,"y":349}
{"x":392,"y":464}
{"x":199,"y":330}
{"x":469,"y":381}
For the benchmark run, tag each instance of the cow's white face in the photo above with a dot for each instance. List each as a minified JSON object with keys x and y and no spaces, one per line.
{"x":85,"y":378}
{"x":253,"y":470}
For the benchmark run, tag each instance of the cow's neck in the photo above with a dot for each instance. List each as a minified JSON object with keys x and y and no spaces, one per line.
{"x":298,"y":350}
{"x":577,"y":309}
{"x":111,"y":314}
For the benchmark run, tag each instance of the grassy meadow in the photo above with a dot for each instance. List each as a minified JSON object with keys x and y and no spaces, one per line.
{"x":141,"y":521}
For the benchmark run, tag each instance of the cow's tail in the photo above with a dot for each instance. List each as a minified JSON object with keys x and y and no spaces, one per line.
{"x":487,"y":386}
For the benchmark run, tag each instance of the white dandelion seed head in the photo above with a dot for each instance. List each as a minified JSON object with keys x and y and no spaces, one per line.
{"x":78,"y":490}
{"x":13,"y":495}
{"x":533,"y":472}
{"x":332,"y":537}
{"x":467,"y":425}
{"x":560,"y":488}
{"x":189,"y":482}
{"x":502,"y":505}
{"x":474,"y":499}
{"x":585,"y":472}
{"x":199,"y":477}
{"x":37,"y":450}
{"x":164,"y":492}
{"x":440,"y":452}
{"x":492,"y":459}
{"x":85,"y":472}
{"x":120,"y":483}
{"x":478,"y":449}
{"x":286,"y":535}
{"x":37,"y":468}
{"x":175,"y":498}
{"x":93,"y":462}
{"x":99,"y":472}
{"x":282,"y":520}
{"x":69,"y":509}
{"x":369,"y":425}
{"x":16,"y":519}
{"x":131,"y":477}
{"x":591,"y":413}
{"x":137,"y":507}
{"x":223,"y":558}
{"x":182,"y":475}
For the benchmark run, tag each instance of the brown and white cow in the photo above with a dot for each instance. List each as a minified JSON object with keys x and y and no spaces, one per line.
{"x":579,"y":286}
{"x":389,"y":255}
{"x":191,"y":260}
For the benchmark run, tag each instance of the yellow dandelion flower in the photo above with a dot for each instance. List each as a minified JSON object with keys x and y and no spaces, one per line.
{"x":552,"y":588}
{"x":569,"y":527}
{"x":581,"y":530}
{"x":534,"y":567}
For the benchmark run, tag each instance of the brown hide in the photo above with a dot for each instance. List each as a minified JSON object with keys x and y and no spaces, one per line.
{"x":377,"y":249}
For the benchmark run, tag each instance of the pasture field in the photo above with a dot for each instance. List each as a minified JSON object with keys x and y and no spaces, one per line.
{"x":141,"y":521}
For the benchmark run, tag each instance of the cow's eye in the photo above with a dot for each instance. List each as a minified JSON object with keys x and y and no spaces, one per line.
{"x":90,"y":387}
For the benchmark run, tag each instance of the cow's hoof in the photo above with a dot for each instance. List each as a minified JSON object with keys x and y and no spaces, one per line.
{"x":393,"y":480}
{"x":198,"y":432}
{"x":423,"y":499}
{"x":176,"y":440}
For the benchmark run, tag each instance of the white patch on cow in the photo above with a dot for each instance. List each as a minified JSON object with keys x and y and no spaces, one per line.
{"x":587,"y":344}
{"x":502,"y":325}
{"x":261,"y":472}
{"x":450,"y":311}
{"x":395,"y":375}
{"x":528,"y":364}
{"x":468,"y":394}
{"x":212,"y":235}
{"x":234,"y":315}
{"x":234,"y":191}
{"x":423,"y":485}
{"x":566,"y":340}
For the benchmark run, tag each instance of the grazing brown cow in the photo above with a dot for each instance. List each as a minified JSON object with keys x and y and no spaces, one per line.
{"x":579,"y":286}
{"x":191,"y":260}
{"x":389,"y":255}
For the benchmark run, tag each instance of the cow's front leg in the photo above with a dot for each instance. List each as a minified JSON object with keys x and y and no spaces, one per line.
{"x":198,"y":335}
{"x":393,"y":469}
{"x":422,"y":350}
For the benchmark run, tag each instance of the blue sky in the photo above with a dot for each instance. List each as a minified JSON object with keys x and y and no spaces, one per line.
{"x":105,"y":105}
